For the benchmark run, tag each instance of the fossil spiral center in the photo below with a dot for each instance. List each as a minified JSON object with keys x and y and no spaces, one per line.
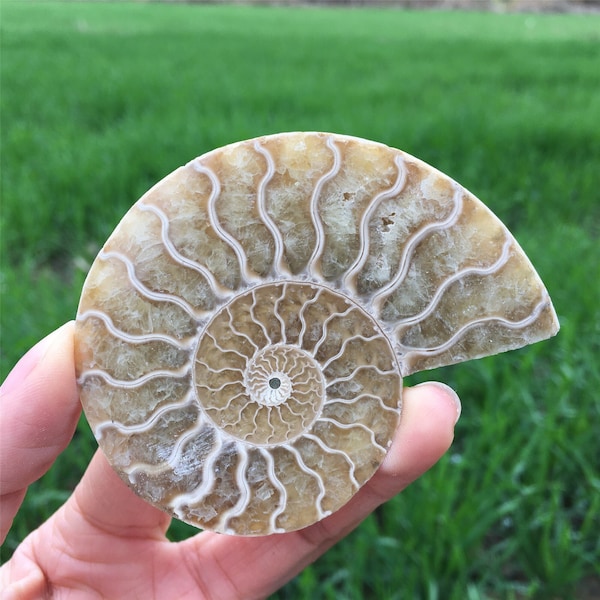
{"x":259,"y":365}
{"x":281,"y":373}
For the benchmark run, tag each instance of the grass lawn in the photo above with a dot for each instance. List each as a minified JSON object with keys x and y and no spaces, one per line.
{"x":101,"y":100}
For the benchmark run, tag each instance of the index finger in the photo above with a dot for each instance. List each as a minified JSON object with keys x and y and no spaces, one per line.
{"x":40,"y":408}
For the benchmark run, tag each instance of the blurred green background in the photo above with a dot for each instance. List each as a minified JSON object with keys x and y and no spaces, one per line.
{"x":99,"y":101}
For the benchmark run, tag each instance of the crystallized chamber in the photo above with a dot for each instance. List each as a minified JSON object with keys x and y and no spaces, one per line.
{"x":242,"y":336}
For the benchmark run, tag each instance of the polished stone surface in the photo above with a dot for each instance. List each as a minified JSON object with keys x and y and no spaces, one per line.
{"x":242,"y":336}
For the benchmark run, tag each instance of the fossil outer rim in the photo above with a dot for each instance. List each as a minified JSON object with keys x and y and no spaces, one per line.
{"x":299,"y":212}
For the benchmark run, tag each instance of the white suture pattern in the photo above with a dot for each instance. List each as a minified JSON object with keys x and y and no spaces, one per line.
{"x":261,"y":401}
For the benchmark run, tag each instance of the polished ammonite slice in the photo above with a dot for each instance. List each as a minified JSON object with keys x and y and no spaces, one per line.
{"x":242,"y":336}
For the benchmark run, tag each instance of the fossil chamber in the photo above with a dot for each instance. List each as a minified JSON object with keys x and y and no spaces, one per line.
{"x":242,"y":336}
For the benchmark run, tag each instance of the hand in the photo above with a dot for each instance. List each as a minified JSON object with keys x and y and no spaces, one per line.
{"x":106,"y":542}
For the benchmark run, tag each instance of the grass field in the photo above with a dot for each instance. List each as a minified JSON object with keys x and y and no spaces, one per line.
{"x":99,"y":101}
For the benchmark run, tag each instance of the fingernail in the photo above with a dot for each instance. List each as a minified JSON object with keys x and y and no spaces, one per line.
{"x":450,"y":393}
{"x":27,"y":364}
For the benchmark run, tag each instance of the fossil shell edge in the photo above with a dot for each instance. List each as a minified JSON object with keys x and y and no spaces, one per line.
{"x":242,"y":336}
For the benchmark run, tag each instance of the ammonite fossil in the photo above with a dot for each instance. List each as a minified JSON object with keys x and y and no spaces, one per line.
{"x":243,"y":334}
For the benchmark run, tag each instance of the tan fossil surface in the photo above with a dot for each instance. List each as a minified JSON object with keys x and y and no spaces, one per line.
{"x":242,"y":336}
